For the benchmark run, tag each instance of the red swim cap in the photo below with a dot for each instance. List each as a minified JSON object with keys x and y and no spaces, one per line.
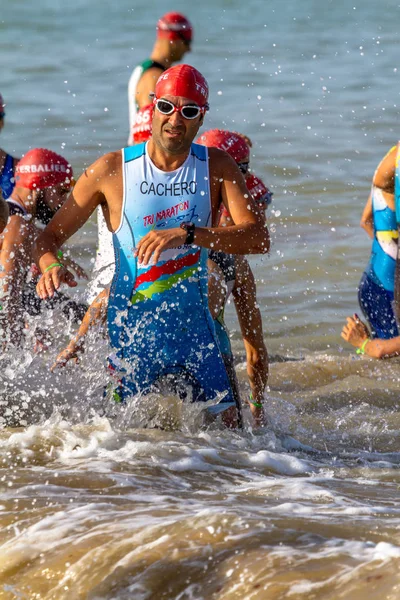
{"x":229,"y":141}
{"x":184,"y":81}
{"x":174,"y":26}
{"x":141,"y":130}
{"x":41,"y":168}
{"x":258,"y":189}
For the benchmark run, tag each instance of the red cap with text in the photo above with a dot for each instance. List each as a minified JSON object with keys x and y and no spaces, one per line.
{"x":174,"y":26}
{"x":233,"y":143}
{"x":41,"y":168}
{"x":184,"y":81}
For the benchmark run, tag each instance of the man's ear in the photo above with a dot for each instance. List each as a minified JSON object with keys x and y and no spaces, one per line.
{"x":201,"y":120}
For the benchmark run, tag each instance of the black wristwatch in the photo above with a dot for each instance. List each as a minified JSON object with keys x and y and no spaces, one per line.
{"x":190,"y":229}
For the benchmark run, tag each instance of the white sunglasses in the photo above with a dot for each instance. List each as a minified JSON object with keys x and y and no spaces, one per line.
{"x":189,"y":111}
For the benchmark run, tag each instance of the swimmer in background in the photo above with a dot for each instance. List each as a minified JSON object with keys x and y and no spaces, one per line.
{"x":174,"y":38}
{"x":232,"y":274}
{"x":158,"y":317}
{"x":376,"y":288}
{"x":358,"y":335}
{"x":7,"y":162}
{"x":43,"y":181}
{"x":378,"y":293}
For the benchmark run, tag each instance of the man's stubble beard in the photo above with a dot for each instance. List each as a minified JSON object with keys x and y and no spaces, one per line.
{"x":171,"y":146}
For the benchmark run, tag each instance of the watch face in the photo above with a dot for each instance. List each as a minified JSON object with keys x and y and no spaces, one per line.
{"x":186,"y":226}
{"x":189,"y":228}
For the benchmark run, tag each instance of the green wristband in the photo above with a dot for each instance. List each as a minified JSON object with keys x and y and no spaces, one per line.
{"x":60,"y":254}
{"x":361,"y":350}
{"x":57,"y":264}
{"x":257,"y":404}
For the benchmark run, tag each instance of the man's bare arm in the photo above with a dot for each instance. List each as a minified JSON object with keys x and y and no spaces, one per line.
{"x":385,"y":172}
{"x":367,"y":222}
{"x":250,"y":321}
{"x":95,"y":314}
{"x":249,"y":235}
{"x":16,"y":253}
{"x":89,"y":192}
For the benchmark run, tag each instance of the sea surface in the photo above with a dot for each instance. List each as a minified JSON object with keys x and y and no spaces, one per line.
{"x":95,"y":502}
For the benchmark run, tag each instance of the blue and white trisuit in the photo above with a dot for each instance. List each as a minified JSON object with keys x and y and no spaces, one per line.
{"x":376,"y":288}
{"x":158,"y":318}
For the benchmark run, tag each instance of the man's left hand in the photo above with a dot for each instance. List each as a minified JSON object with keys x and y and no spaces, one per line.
{"x":156,"y":241}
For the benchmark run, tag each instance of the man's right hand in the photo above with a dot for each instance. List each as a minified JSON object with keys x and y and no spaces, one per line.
{"x":355,"y":331}
{"x":71,"y":352}
{"x":51,"y":281}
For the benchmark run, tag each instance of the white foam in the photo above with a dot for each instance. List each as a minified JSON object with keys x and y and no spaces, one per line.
{"x":192,"y":463}
{"x":363,"y":552}
{"x":280,"y":463}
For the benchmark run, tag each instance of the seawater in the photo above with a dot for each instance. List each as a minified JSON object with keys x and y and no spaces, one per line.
{"x":95,"y":505}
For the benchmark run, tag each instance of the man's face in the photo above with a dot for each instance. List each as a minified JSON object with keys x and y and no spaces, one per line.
{"x":173,"y":133}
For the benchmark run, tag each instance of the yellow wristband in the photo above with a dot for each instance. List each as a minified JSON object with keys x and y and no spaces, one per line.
{"x":361,"y":349}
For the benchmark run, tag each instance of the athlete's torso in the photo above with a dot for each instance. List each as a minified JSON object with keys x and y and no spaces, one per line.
{"x":177,"y":284}
{"x":132,"y":87}
{"x":384,"y":246}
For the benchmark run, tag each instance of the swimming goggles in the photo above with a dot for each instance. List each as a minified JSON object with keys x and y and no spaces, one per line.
{"x":189,"y":111}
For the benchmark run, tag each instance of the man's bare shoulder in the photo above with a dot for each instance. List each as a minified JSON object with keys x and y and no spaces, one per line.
{"x":220,"y":161}
{"x":384,"y":174}
{"x":107,"y":165}
{"x":217,"y":155}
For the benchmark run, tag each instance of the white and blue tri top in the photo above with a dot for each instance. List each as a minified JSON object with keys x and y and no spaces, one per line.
{"x":158,"y":317}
